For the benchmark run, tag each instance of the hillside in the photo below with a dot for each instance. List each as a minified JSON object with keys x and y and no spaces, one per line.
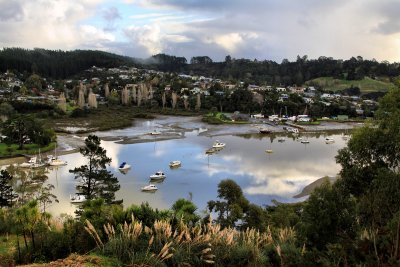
{"x":56,"y":63}
{"x":366,"y":85}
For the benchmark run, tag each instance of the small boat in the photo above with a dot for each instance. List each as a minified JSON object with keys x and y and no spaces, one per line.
{"x":149,"y":188}
{"x":281,"y":139}
{"x":269,"y":151}
{"x":218,"y":144}
{"x":54,"y":160}
{"x":57,"y":162}
{"x":265,"y":131}
{"x":213,"y":150}
{"x":305,"y":141}
{"x":158,"y":176}
{"x":175,"y":163}
{"x":77,"y":198}
{"x":124,"y":166}
{"x":155,"y":132}
{"x":29,"y":163}
{"x":329,"y":140}
{"x":32,"y":163}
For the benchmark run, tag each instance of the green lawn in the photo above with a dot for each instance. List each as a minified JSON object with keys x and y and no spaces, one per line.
{"x":31,"y":149}
{"x":366,"y":85}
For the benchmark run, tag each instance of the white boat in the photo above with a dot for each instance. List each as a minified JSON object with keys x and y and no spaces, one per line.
{"x":32,"y":163}
{"x":218,"y":144}
{"x":57,"y":162}
{"x":124,"y":166}
{"x":175,"y":163}
{"x":77,"y":198}
{"x":159,"y":175}
{"x":155,"y":132}
{"x":54,"y":160}
{"x":149,"y":188}
{"x":329,"y":140}
{"x":281,"y":139}
{"x":29,"y":163}
{"x":269,"y":151}
{"x":305,"y":141}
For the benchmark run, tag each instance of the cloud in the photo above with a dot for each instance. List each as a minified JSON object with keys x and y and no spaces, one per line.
{"x":111,"y":14}
{"x":10,"y":10}
{"x":262,"y":29}
{"x":389,"y":18}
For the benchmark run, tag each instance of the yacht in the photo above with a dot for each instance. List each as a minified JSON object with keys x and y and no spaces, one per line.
{"x":155,"y":132}
{"x":175,"y":163}
{"x":124,"y":166}
{"x":54,"y":160}
{"x":159,"y":175}
{"x":33,"y":162}
{"x":218,"y":144}
{"x":329,"y":140}
{"x":29,"y":163}
{"x":149,"y":188}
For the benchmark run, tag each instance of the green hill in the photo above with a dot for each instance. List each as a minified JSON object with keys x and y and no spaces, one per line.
{"x":366,"y":85}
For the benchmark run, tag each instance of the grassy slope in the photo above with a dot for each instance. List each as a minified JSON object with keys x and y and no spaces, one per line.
{"x":30,"y":149}
{"x":366,"y":85}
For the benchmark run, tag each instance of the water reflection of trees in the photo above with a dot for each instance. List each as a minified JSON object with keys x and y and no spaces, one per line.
{"x":30,"y":184}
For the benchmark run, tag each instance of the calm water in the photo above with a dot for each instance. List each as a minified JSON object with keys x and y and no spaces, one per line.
{"x":262,"y":176}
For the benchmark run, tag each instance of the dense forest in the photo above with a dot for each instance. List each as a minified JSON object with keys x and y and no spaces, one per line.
{"x":63,"y":64}
{"x":56,"y":63}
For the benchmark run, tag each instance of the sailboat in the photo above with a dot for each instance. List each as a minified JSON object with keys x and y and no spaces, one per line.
{"x":55,"y":161}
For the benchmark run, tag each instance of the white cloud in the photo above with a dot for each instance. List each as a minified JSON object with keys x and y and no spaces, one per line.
{"x":148,"y":36}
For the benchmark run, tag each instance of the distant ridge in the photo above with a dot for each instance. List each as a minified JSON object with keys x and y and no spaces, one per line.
{"x":56,"y":63}
{"x":64,"y":64}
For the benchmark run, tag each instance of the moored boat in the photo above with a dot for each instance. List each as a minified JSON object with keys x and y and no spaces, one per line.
{"x":175,"y":163}
{"x":218,"y":144}
{"x":159,"y":175}
{"x":329,"y":140}
{"x":124,"y":166}
{"x":149,"y":188}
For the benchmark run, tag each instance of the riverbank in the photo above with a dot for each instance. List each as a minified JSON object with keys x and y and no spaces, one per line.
{"x":176,"y":127}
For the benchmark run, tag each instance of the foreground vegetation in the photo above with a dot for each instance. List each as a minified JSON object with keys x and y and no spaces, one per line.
{"x":353,"y":222}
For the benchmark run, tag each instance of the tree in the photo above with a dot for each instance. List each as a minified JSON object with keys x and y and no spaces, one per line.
{"x":185,"y":210}
{"x":6,"y":191}
{"x":17,"y":130}
{"x":370,"y":172}
{"x":22,"y":129}
{"x":96,"y":181}
{"x":233,"y":205}
{"x":328,"y":217}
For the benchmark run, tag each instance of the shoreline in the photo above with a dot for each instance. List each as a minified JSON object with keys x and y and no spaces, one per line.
{"x":175,"y":127}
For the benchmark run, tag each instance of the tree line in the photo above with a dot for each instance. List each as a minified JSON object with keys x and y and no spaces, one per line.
{"x":63,"y":64}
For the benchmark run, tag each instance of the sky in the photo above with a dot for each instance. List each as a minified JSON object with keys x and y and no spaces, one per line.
{"x":254,"y":29}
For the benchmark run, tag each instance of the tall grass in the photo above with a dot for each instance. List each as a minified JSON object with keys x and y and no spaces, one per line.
{"x":180,"y":245}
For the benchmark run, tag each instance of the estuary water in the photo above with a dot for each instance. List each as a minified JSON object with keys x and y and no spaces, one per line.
{"x":262,"y":176}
